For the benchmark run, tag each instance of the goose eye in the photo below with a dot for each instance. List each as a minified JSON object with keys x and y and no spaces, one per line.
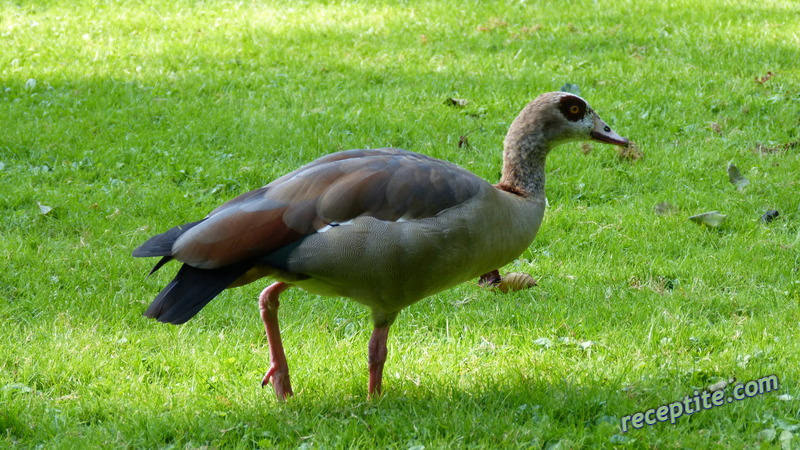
{"x":573,"y":108}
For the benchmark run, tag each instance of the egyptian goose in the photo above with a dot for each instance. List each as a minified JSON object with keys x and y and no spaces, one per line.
{"x":384,"y":227}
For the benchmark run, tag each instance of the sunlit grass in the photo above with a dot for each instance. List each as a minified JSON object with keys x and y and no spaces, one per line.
{"x":126,"y":118}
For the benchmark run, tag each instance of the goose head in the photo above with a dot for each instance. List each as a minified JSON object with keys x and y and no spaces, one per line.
{"x":549,"y":120}
{"x":554,"y":118}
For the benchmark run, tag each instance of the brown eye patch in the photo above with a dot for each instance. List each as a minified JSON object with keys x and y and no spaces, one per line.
{"x":573,"y":108}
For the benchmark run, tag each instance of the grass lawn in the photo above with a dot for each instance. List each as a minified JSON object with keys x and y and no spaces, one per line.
{"x":121,"y":119}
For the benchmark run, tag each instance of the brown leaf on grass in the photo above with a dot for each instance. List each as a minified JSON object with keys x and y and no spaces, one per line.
{"x":638,"y":52}
{"x":766,"y":149}
{"x":511,"y":282}
{"x":586,"y":148}
{"x":68,"y":397}
{"x":44,"y":209}
{"x":664,"y":208}
{"x":457,"y":102}
{"x":423,"y":39}
{"x":736,"y":178}
{"x":719,"y":385}
{"x":525,"y":32}
{"x":715,"y":127}
{"x":490,"y":279}
{"x":765,"y":78}
{"x":572,"y":88}
{"x":711,"y":219}
{"x":493,"y":24}
{"x":630,"y":152}
{"x":463,"y":140}
{"x":515,"y":281}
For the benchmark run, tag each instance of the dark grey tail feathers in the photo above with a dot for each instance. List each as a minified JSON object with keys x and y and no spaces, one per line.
{"x":191,"y":290}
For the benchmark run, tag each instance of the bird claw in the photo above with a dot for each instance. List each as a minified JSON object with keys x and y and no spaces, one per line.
{"x":280,"y":382}
{"x":265,"y":381}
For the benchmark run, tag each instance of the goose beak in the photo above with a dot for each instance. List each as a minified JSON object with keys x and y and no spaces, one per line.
{"x":603,"y":133}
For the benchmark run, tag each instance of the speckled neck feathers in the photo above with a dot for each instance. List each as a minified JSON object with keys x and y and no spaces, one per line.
{"x":529,"y":140}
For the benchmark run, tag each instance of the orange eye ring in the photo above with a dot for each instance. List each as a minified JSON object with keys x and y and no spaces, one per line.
{"x":574,"y":109}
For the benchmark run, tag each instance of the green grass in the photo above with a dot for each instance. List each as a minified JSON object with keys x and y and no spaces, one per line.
{"x":148,"y":114}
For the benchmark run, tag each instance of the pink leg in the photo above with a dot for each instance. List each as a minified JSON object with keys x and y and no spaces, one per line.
{"x":278,"y":373}
{"x":377,"y":356}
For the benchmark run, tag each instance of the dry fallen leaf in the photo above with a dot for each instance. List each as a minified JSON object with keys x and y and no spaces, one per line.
{"x":711,"y":219}
{"x":515,"y":281}
{"x":490,"y":279}
{"x":765,"y":149}
{"x":44,"y":209}
{"x":765,"y":78}
{"x":571,"y":88}
{"x":511,"y":282}
{"x":770,"y":215}
{"x":459,"y":102}
{"x":463,"y":141}
{"x":719,"y":385}
{"x":663,"y":208}
{"x":736,"y":177}
{"x":493,"y":24}
{"x":630,"y":152}
{"x":531,"y":29}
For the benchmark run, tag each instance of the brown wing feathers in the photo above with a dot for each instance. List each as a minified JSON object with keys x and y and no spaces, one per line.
{"x":233,"y":236}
